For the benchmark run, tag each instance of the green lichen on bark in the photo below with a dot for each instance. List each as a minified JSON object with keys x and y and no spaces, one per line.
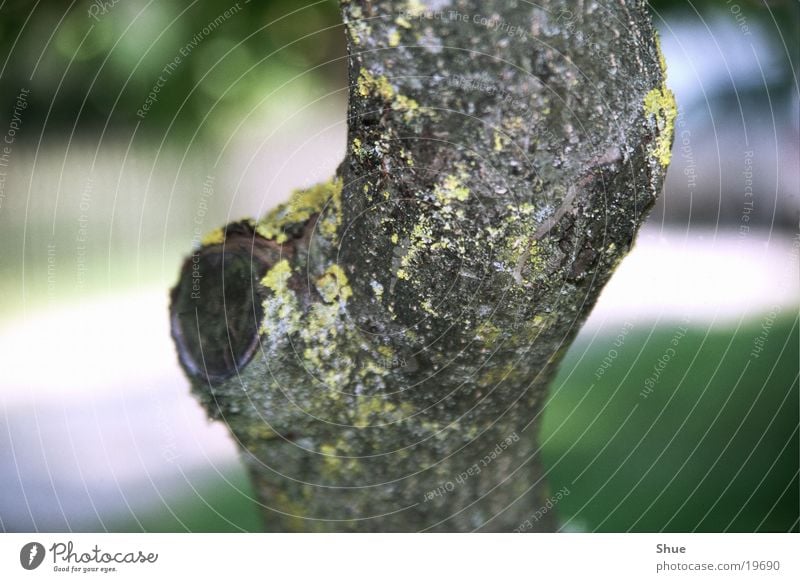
{"x":412,"y":311}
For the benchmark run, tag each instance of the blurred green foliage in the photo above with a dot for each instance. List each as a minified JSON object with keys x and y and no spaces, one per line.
{"x":93,"y":63}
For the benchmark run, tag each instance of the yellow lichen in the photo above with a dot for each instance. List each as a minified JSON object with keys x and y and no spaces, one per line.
{"x":300,"y":207}
{"x":358,"y":26}
{"x":415,"y":8}
{"x":499,"y":142}
{"x":261,"y":432}
{"x":394,"y":38}
{"x":369,"y":409}
{"x":426,"y":236}
{"x":215,"y":237}
{"x":357,"y":151}
{"x":661,"y":60}
{"x":408,"y":106}
{"x":541,"y":322}
{"x":280,"y":308}
{"x":380,"y":86}
{"x":330,"y":458}
{"x":277,"y":277}
{"x":659,"y":103}
{"x":333,"y":284}
{"x":451,"y":189}
{"x":326,"y":334}
{"x":427,"y":307}
{"x":421,"y":238}
{"x":515,"y":243}
{"x":368,"y":84}
{"x":535,"y":261}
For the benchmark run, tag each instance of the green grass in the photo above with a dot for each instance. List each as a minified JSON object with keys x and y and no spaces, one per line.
{"x":713,"y":448}
{"x":212,"y":503}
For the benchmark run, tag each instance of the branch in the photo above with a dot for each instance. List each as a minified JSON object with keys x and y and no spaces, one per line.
{"x":380,"y":346}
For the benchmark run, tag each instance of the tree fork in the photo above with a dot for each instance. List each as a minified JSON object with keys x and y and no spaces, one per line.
{"x":381,"y":345}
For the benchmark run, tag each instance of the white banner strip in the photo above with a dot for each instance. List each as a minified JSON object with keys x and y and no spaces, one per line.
{"x":399,"y":557}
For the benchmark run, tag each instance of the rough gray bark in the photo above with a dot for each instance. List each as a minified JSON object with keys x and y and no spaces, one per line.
{"x":380,"y":347}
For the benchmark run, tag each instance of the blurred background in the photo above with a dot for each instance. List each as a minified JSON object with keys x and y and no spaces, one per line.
{"x":130,"y":126}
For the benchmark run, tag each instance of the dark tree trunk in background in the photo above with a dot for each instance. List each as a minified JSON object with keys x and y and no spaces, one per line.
{"x":381,"y":345}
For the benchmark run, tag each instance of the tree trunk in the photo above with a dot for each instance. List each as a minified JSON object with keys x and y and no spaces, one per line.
{"x":381,"y":345}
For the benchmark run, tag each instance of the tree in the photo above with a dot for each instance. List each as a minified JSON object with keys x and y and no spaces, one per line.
{"x":380,"y":346}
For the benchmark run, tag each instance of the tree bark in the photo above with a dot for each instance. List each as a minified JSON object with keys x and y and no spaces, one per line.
{"x":381,"y":345}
